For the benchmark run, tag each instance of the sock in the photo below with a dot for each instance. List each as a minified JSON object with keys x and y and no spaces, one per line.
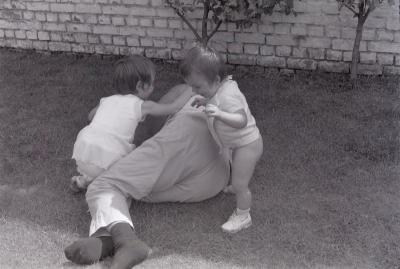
{"x":242,"y":211}
{"x":129,"y":249}
{"x":89,"y":250}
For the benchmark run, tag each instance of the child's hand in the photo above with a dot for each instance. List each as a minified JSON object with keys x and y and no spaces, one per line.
{"x":198,"y":102}
{"x":212,"y":111}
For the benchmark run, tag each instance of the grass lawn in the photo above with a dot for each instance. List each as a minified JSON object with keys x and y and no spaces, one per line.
{"x":326,"y":191}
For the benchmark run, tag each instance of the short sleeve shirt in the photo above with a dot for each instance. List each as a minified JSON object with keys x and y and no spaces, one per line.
{"x":230,"y":99}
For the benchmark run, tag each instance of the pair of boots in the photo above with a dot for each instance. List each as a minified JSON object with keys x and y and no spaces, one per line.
{"x":127,"y":248}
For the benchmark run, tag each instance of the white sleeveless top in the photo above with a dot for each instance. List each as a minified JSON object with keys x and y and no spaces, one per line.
{"x":110,"y":134}
{"x":119,"y":115}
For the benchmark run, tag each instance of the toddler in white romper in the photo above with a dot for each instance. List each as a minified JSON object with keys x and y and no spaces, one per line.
{"x":231,"y":124}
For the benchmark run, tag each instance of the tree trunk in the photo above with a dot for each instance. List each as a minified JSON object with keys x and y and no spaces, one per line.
{"x":213,"y":31}
{"x":356,"y":48}
{"x":204,"y":23}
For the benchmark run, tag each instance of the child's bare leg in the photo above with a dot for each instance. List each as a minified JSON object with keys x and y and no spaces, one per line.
{"x":243,"y":164}
{"x":229,"y":189}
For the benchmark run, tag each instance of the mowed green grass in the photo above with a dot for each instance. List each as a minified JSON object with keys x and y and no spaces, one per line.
{"x":326,"y":191}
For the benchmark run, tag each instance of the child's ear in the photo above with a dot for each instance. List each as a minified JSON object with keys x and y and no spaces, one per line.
{"x":139,"y":85}
{"x":218,"y":79}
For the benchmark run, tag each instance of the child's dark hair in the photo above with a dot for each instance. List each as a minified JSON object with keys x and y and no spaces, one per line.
{"x":203,"y":60}
{"x":129,"y":70}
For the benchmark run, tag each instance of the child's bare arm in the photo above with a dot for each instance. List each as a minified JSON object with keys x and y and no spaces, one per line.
{"x":237,"y":119}
{"x":92,"y":113}
{"x":157,"y":109}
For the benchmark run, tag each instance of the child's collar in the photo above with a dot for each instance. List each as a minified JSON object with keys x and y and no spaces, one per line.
{"x":226,"y":79}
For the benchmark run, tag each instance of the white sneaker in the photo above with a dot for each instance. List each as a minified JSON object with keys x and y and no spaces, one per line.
{"x":236,"y":223}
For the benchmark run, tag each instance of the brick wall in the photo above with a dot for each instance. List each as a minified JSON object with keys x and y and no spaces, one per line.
{"x":317,"y":38}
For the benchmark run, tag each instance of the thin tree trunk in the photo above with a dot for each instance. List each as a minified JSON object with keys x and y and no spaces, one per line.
{"x":213,"y":31}
{"x":204,"y":23}
{"x":356,"y":48}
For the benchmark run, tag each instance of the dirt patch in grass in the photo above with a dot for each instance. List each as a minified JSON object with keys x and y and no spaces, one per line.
{"x":326,"y":191}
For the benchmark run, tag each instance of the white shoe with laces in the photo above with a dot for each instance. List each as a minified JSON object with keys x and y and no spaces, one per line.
{"x":237,"y":222}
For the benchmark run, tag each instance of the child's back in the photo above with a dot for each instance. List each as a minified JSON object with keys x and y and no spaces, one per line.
{"x":110,"y":134}
{"x":119,"y":115}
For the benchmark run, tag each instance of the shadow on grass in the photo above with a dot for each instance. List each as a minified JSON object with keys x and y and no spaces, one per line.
{"x":325,"y":191}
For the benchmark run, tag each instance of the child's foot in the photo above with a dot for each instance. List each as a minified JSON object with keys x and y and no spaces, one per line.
{"x":77,"y":184}
{"x":229,"y":189}
{"x":237,"y":222}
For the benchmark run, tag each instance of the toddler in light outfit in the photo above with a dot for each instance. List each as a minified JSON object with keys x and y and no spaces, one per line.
{"x":110,"y":134}
{"x":230,"y":123}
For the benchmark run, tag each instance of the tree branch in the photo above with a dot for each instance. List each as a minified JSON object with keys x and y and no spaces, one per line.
{"x":182,"y":16}
{"x":215,"y":30}
{"x":363,"y":17}
{"x":351,"y":8}
{"x":190,"y":26}
{"x":367,"y":13}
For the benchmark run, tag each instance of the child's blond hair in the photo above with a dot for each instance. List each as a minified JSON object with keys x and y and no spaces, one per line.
{"x":203,"y":60}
